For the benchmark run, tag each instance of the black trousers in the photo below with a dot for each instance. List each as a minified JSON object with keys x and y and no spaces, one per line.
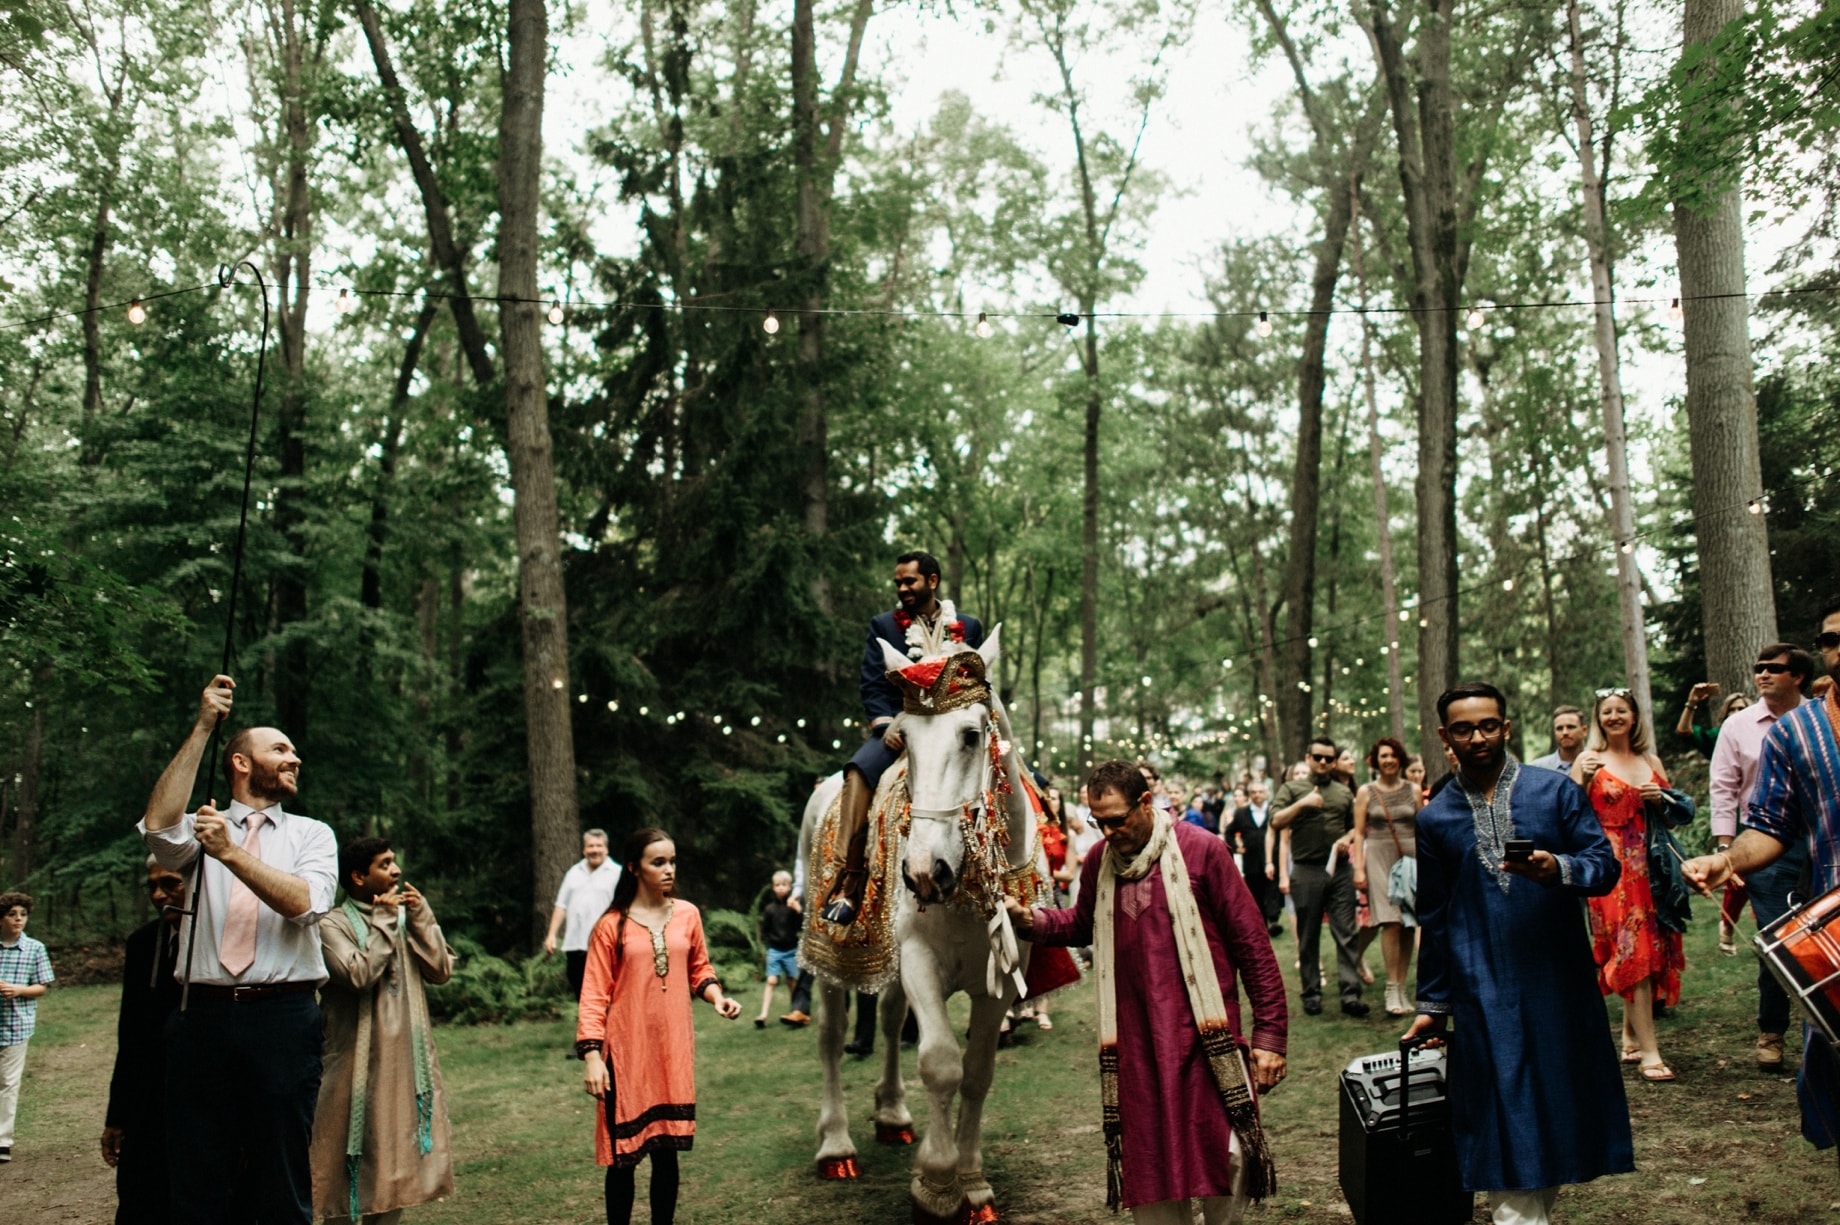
{"x":242,"y":1081}
{"x":801,"y":993}
{"x":1266,"y":896}
{"x":1315,"y":892}
{"x":142,"y":1191}
{"x":575,"y":965}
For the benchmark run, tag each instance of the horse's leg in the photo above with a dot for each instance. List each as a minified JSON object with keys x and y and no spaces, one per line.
{"x":980,"y":1068}
{"x":893,"y":1123}
{"x":836,"y":1154}
{"x":935,"y":1186}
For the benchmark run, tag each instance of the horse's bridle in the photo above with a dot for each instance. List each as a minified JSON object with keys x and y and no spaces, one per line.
{"x":978,"y":804}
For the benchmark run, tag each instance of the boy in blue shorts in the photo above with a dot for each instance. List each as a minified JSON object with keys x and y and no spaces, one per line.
{"x":779,"y":928}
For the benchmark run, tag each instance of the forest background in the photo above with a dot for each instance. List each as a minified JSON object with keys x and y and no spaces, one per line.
{"x":615,"y":352}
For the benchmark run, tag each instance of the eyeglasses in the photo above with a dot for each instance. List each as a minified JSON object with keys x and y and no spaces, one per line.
{"x":1772,"y":669}
{"x":1613,"y":693}
{"x":170,"y":885}
{"x":1322,"y":756}
{"x":1111,"y":823}
{"x":1830,"y":641}
{"x":1487,"y":729}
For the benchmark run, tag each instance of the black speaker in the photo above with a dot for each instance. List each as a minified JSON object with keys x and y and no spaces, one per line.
{"x":1398,"y":1166}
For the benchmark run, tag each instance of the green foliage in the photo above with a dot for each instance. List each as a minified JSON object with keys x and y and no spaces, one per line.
{"x":488,"y":990}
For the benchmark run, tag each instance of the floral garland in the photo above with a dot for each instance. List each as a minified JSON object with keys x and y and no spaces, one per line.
{"x":915,"y":630}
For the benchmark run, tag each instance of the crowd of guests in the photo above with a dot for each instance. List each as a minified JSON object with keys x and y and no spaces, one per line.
{"x":307,"y":1036}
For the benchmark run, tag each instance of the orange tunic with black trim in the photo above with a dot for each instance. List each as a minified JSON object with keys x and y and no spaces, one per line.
{"x":643,"y":1025}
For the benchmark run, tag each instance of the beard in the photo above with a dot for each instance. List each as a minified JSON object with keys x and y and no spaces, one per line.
{"x":270,"y":784}
{"x":1485,"y":759}
{"x":912,"y":599}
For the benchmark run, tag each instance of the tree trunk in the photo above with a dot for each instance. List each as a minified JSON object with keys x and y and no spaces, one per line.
{"x":1739,"y":605}
{"x":31,"y":779}
{"x":1610,"y":379}
{"x":1426,"y":134}
{"x":92,"y":311}
{"x":1293,"y":699}
{"x":542,"y":599}
{"x":293,"y":274}
{"x":1383,"y":531}
{"x":370,"y":586}
{"x":816,"y":167}
{"x":1089,"y":547}
{"x":448,"y":256}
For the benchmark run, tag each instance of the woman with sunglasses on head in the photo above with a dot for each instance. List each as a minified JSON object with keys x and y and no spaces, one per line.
{"x":1636,"y":957}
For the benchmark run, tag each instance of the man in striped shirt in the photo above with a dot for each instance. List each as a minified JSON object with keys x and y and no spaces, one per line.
{"x":1796,"y":799}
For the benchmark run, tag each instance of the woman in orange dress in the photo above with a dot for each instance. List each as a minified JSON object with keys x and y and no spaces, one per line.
{"x":646,"y":961}
{"x":1636,"y":957}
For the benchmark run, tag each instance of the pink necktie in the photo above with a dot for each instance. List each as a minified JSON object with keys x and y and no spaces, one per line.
{"x":237,"y":950}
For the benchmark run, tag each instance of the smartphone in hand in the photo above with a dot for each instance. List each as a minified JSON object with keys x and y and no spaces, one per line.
{"x":1518,"y":850}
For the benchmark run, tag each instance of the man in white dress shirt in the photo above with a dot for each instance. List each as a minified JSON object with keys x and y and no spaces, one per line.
{"x":587,"y":891}
{"x":243,"y":1059}
{"x":1783,"y":670}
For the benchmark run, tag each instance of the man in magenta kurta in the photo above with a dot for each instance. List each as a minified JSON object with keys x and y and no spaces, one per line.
{"x":1177,"y":1140}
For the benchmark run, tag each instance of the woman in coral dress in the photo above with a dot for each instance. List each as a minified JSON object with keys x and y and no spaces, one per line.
{"x":646,"y":962}
{"x":1637,"y":958}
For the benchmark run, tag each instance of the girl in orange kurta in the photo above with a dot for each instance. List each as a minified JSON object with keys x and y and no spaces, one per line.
{"x":646,"y":961}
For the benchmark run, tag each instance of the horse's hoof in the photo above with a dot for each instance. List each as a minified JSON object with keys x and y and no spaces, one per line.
{"x":838,"y":1169}
{"x":984,"y":1214}
{"x":889,"y":1133}
{"x":958,"y":1216}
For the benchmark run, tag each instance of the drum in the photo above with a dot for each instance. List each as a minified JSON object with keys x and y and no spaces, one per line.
{"x":1803,"y":953}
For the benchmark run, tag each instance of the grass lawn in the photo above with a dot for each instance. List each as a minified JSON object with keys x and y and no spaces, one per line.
{"x":1722,"y":1143}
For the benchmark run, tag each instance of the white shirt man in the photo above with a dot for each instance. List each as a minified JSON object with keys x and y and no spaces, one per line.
{"x":1781,"y":671}
{"x":243,"y":1058}
{"x":586,"y":892}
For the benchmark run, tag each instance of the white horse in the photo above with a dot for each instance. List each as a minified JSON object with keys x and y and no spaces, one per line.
{"x":957,"y":782}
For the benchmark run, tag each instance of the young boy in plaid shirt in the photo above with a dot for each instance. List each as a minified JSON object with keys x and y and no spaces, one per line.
{"x":25,"y":972}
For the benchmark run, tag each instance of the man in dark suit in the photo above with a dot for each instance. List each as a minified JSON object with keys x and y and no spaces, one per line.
{"x":1246,"y":835}
{"x":133,"y":1133}
{"x":922,"y":627}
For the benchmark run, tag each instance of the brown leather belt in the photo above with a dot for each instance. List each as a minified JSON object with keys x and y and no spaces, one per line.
{"x":250,"y":994}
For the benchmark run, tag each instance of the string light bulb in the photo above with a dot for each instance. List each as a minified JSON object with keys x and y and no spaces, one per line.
{"x":555,"y":312}
{"x":1474,"y":318}
{"x":1264,"y":324}
{"x":1754,"y":506}
{"x":1629,"y":546}
{"x":1674,"y":311}
{"x":1507,"y":584}
{"x":137,"y":314}
{"x":983,"y":325}
{"x":346,"y":303}
{"x":771,"y":324}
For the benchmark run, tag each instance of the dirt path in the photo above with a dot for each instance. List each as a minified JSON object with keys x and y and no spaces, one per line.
{"x":56,"y":1175}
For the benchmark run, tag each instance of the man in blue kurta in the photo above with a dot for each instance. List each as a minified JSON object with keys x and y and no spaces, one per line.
{"x":924,"y":626}
{"x":1536,"y":1095}
{"x":1796,"y":799}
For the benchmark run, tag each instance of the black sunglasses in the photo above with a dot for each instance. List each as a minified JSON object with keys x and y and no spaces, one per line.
{"x":1772,"y":669}
{"x":1111,"y":822}
{"x":1322,"y":756}
{"x":1827,"y":642}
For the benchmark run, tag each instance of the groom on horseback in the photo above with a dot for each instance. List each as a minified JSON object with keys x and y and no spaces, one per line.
{"x":922,"y":627}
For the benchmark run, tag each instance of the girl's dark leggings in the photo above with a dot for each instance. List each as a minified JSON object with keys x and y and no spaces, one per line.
{"x":620,"y":1189}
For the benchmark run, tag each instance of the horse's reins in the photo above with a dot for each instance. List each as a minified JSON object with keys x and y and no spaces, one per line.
{"x":226,"y":277}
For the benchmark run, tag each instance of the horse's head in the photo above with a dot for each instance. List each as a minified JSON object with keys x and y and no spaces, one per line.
{"x":948,"y":721}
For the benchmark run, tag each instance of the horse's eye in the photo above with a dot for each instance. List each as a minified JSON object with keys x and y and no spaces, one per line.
{"x":969,"y":736}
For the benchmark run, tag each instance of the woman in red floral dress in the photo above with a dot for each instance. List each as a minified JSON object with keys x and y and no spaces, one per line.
{"x":1637,"y":958}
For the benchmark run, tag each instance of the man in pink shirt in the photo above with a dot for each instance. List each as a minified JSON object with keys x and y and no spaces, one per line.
{"x":1783,"y":671}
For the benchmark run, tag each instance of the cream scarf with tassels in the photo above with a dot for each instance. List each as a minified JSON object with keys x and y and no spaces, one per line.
{"x":1204,"y":1000}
